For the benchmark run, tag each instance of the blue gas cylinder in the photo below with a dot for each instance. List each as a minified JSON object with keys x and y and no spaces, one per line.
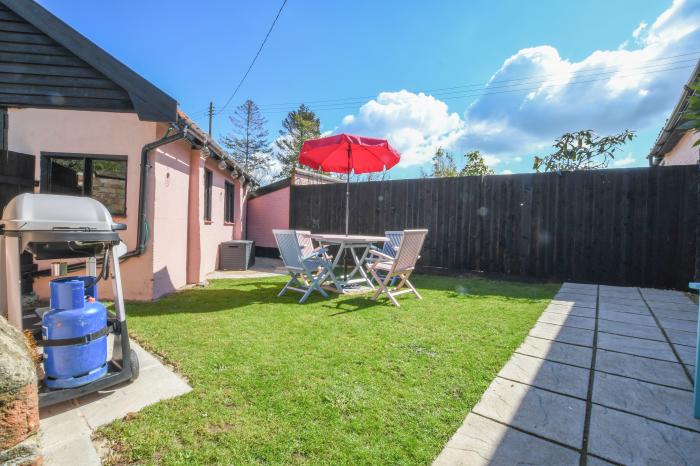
{"x":74,"y":314}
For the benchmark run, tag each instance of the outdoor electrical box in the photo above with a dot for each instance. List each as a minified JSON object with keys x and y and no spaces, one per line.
{"x":236,"y":255}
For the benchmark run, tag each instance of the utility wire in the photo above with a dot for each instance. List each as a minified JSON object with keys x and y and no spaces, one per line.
{"x":468,"y":94}
{"x":269,"y":31}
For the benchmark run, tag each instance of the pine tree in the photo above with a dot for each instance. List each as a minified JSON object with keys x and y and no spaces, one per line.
{"x":248,"y":142}
{"x":299,"y":125}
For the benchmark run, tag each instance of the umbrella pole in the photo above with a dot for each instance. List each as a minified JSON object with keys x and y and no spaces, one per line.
{"x":347,"y":212}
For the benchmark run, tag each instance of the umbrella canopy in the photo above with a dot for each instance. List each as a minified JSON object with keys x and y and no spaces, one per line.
{"x":345,"y":153}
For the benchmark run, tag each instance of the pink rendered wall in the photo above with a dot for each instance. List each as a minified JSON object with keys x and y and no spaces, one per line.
{"x":212,"y":233}
{"x":265,"y":213}
{"x":171,"y":167}
{"x":683,"y":153}
{"x":33,"y":131}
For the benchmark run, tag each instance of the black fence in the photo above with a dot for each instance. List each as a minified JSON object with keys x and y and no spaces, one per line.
{"x":634,"y":226}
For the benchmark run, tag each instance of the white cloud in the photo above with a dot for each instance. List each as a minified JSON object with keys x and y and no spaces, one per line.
{"x":415,"y":124}
{"x":616,"y":90}
{"x":629,"y":160}
{"x":507,"y":172}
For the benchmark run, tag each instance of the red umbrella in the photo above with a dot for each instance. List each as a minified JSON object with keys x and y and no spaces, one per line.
{"x":346,"y":153}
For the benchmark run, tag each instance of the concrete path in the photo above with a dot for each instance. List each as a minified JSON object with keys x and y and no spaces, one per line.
{"x":66,"y":428}
{"x":264,"y":267}
{"x":604,"y":377}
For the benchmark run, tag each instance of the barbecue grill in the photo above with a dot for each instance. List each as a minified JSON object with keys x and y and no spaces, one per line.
{"x":66,"y":227}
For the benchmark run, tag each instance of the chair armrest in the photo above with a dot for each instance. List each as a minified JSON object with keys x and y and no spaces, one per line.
{"x":381,"y":254}
{"x":318,"y":252}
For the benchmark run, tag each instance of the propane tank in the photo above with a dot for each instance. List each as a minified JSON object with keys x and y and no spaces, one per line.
{"x":75,"y":315}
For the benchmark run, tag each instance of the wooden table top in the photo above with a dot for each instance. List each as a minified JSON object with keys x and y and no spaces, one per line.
{"x":339,"y":239}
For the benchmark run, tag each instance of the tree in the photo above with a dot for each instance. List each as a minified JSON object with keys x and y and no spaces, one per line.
{"x":248,"y":141}
{"x":582,"y":150}
{"x":299,"y":125}
{"x":692,"y":113}
{"x":475,"y":165}
{"x":443,"y":165}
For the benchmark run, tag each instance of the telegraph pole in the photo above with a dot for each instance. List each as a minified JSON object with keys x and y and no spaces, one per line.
{"x":211,"y":114}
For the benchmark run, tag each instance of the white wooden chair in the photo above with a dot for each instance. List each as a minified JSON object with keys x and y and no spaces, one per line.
{"x":308,"y":272}
{"x":386,"y":268}
{"x":389,"y":248}
{"x":307,"y":245}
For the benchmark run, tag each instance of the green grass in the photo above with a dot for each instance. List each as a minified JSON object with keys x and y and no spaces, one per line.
{"x":337,"y":381}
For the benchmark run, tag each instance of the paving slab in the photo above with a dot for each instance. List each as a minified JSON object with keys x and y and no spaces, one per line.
{"x":686,"y":353}
{"x":572,"y":335}
{"x":570,"y":309}
{"x":578,"y":299}
{"x":521,"y":406}
{"x":679,"y":337}
{"x":636,"y":346}
{"x":568,"y":320}
{"x":618,"y":292}
{"x":649,"y":370}
{"x":566,"y":302}
{"x":680,"y":315}
{"x":670,"y":296}
{"x":549,"y":375}
{"x":634,"y":440}
{"x":627,"y":308}
{"x":631,"y":330}
{"x":580,"y":287}
{"x":66,"y":428}
{"x":626,"y":317}
{"x":617,"y":301}
{"x":481,"y":442}
{"x":678,"y":324}
{"x":594,"y":461}
{"x":689,"y":307}
{"x":556,"y":351}
{"x":650,"y":400}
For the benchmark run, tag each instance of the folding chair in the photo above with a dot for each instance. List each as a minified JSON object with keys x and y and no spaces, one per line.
{"x":401,"y":266}
{"x":389,"y":248}
{"x":307,"y":272}
{"x":307,"y":245}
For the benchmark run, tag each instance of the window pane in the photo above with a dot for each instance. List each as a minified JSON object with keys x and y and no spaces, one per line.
{"x":109,"y":184}
{"x":66,"y":176}
{"x":228,"y":203}
{"x":207,"y":194}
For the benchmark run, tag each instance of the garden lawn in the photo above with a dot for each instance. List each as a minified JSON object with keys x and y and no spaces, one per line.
{"x":334,"y":381}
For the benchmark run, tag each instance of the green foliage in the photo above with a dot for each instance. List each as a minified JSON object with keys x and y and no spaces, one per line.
{"x":692,"y":113}
{"x":299,"y":125}
{"x":248,"y":142}
{"x":444,"y":165}
{"x":475,"y":166}
{"x":582,"y":150}
{"x":343,"y":380}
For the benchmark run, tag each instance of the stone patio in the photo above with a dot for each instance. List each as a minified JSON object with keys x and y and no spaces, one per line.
{"x":604,"y":377}
{"x":66,"y":428}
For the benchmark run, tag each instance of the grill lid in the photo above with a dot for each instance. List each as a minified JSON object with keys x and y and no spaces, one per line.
{"x":56,"y":213}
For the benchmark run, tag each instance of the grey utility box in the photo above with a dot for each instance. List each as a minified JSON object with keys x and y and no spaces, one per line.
{"x":236,"y":255}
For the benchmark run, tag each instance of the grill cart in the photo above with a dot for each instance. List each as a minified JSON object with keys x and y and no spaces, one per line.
{"x":74,"y":329}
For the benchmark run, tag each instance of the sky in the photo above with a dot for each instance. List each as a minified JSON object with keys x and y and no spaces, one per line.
{"x":505,"y":77}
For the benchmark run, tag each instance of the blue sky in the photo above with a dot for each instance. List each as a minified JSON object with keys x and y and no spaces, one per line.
{"x":379,"y":56}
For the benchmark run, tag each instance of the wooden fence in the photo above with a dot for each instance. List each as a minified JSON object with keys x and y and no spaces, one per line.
{"x":634,"y":226}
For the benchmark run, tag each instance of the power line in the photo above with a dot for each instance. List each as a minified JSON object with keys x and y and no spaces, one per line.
{"x":544,"y":77}
{"x":502,"y":89}
{"x":257,"y":54}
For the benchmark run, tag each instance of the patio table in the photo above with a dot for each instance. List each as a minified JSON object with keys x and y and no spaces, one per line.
{"x":358,"y":246}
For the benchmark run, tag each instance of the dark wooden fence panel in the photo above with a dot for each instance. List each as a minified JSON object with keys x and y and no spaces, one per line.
{"x":627,"y":227}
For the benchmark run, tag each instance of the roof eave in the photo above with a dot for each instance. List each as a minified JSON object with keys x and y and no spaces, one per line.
{"x":149,"y":102}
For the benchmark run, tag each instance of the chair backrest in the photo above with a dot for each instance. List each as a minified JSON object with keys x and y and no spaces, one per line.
{"x":290,"y":249}
{"x":307,"y":246}
{"x":391,"y":246}
{"x":409,"y":249}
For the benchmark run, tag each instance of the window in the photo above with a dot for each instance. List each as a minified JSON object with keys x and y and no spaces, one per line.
{"x":207,"y":194}
{"x":102,"y":177}
{"x":228,"y":203}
